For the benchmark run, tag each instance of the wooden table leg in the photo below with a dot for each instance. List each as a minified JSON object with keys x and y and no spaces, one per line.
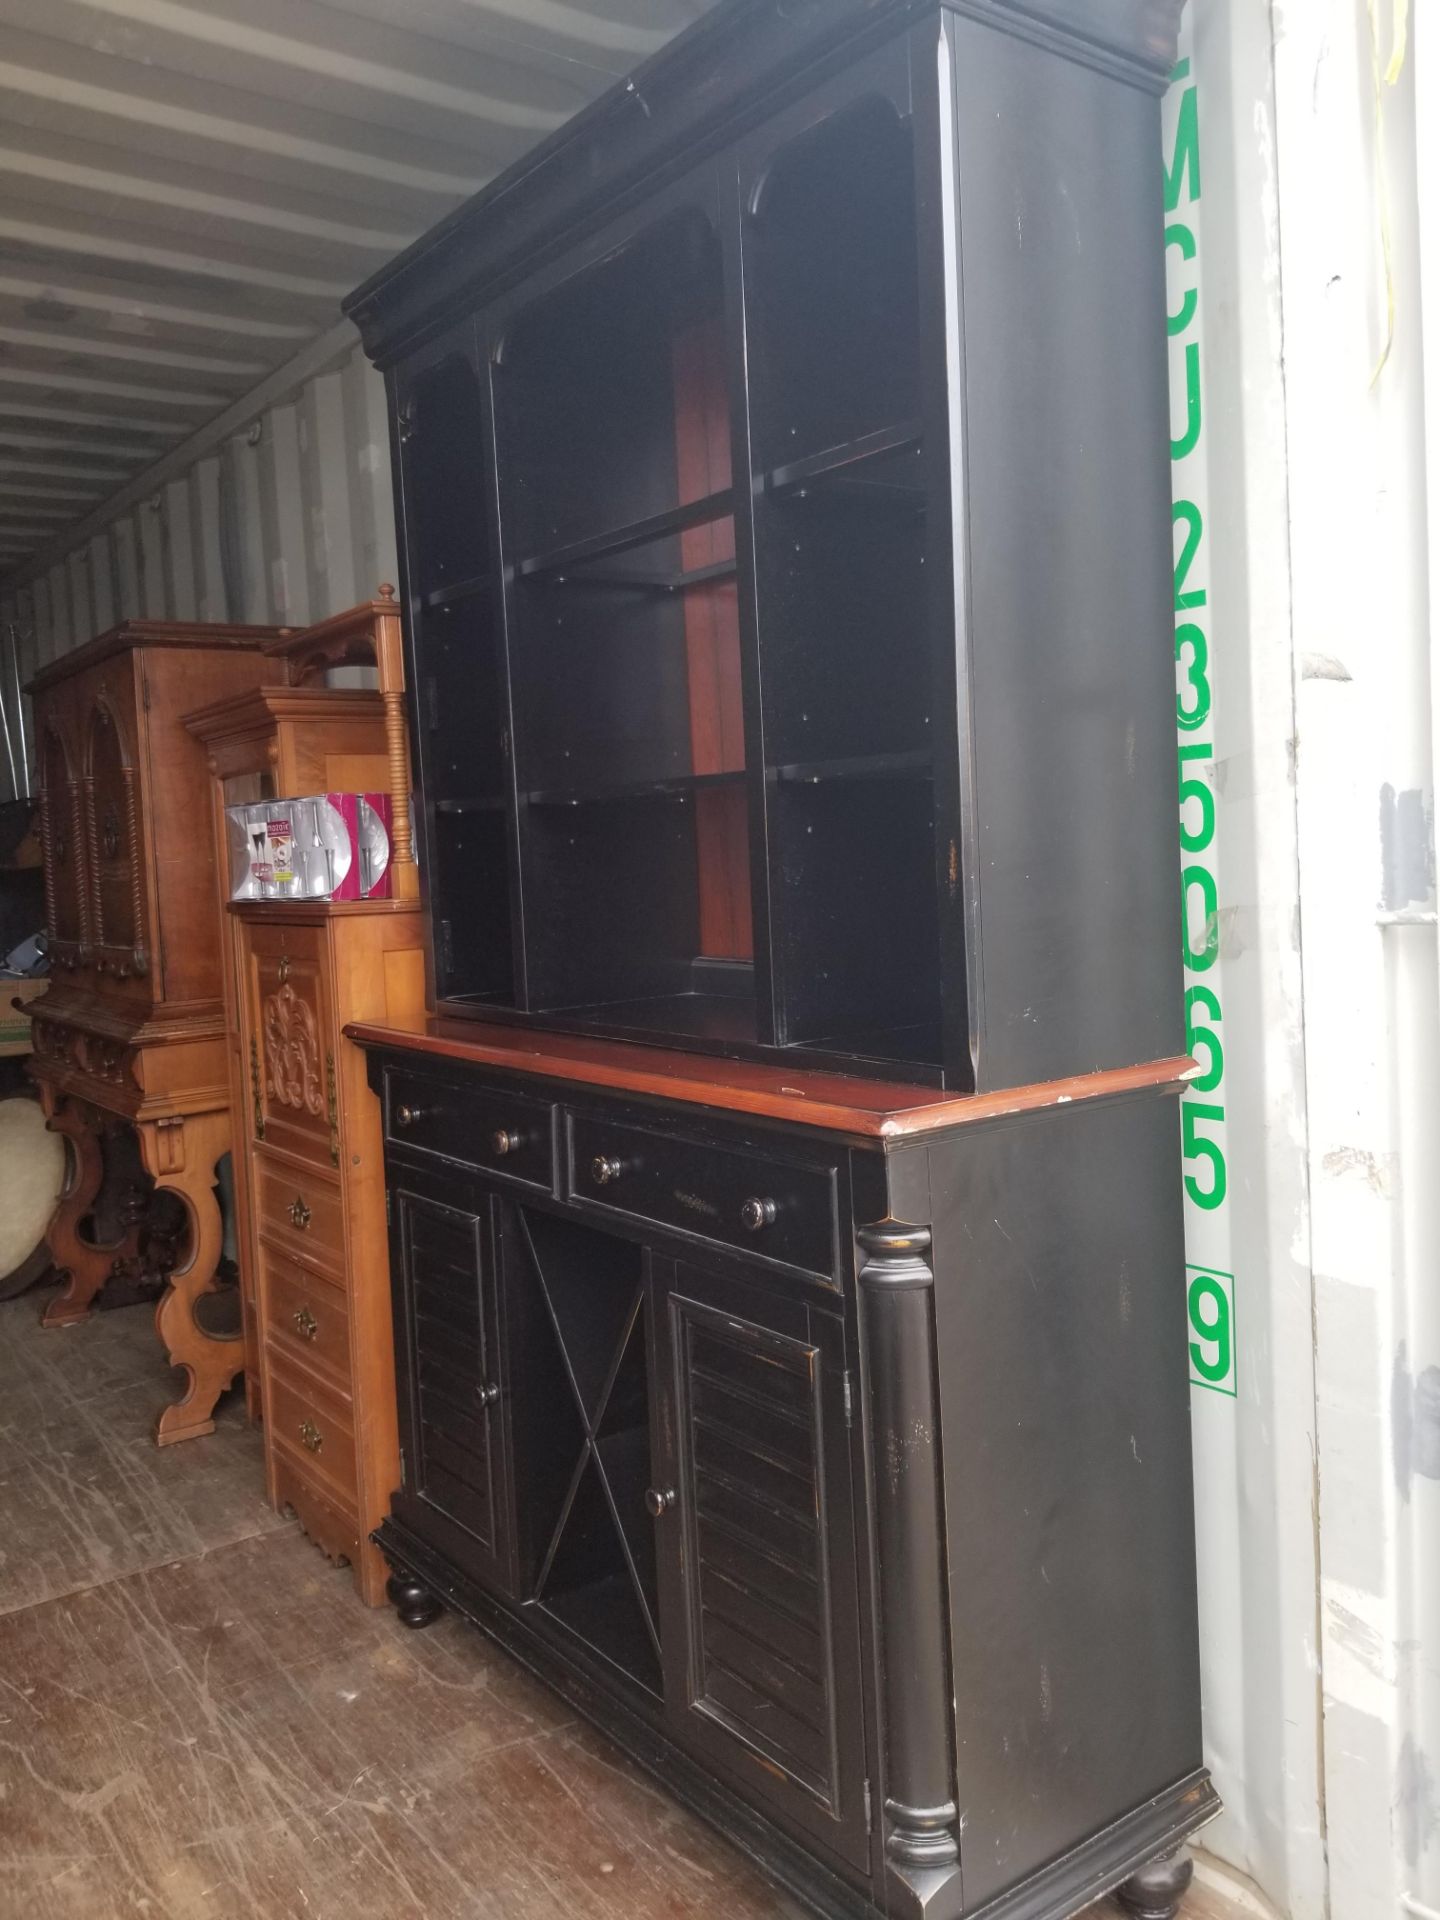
{"x":84,"y":1267}
{"x":181,"y":1154}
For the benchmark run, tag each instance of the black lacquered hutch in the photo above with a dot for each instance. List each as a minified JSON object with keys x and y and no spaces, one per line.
{"x":785,"y":1227}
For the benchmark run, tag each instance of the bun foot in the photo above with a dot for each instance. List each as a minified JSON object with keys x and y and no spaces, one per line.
{"x":412,"y":1600}
{"x":1155,"y":1892}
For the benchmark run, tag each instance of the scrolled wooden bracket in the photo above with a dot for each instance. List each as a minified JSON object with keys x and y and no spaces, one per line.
{"x":181,"y":1155}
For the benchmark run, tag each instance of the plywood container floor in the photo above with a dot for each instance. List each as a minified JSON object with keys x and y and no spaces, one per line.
{"x":199,"y":1719}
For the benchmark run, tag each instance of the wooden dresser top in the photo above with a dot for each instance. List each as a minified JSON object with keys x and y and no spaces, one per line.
{"x":152,"y":634}
{"x":836,"y":1103}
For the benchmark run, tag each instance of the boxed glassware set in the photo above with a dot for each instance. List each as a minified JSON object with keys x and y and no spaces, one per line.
{"x":321,"y":846}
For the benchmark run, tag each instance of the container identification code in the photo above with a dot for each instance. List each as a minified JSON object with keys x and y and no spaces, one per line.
{"x":1209,"y":1276}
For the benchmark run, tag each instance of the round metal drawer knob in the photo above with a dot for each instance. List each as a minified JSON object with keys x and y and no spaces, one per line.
{"x":487,"y":1395}
{"x":755,"y":1214}
{"x":503,"y":1141}
{"x":407,"y":1116}
{"x":659,"y":1500}
{"x":603,"y":1170}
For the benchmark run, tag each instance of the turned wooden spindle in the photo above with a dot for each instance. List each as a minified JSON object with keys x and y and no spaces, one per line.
{"x":389,"y":659}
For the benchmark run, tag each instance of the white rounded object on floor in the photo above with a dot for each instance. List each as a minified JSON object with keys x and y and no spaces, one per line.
{"x":32,"y":1178}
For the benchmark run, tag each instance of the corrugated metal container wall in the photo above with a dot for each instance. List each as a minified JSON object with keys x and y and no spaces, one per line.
{"x":291,"y":518}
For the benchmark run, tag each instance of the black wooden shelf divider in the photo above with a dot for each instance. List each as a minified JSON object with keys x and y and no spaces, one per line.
{"x":870,"y":766}
{"x":639,"y":533}
{"x":675,"y":786}
{"x":849,"y":454}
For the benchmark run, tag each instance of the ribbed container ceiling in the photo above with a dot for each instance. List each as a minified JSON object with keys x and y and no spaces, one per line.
{"x":186,"y":191}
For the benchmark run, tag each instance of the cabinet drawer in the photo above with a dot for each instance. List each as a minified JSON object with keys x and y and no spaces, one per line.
{"x":503,"y":1133}
{"x":302,"y":1214}
{"x":314,"y":1425}
{"x":772,"y":1209}
{"x":306,"y":1318}
{"x":331,"y":1523}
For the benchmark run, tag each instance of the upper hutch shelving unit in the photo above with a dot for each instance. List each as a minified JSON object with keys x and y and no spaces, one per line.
{"x":785,"y":549}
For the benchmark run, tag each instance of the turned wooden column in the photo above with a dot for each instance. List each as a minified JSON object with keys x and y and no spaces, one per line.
{"x":390,"y":665}
{"x":922,"y":1848}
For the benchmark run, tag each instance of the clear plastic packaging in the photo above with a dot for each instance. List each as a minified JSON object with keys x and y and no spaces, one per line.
{"x":322,"y":846}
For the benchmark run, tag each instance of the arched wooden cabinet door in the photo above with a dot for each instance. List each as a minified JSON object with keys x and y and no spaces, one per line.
{"x":62,"y":825}
{"x":116,"y":851}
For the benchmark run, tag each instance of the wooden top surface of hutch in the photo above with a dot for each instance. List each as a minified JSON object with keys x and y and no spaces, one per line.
{"x":849,"y":1107}
{"x":785,"y":541}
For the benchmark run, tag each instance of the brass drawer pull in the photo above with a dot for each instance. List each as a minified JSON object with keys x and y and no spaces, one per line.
{"x":603,"y":1170}
{"x":306,"y":1323}
{"x":487,"y":1395}
{"x":755,"y":1214}
{"x":407,"y":1116}
{"x":658,"y":1501}
{"x":503,"y":1141}
{"x":299,"y":1214}
{"x":311,"y":1437}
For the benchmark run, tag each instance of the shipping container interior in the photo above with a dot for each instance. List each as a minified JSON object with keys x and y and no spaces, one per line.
{"x":190,"y":432}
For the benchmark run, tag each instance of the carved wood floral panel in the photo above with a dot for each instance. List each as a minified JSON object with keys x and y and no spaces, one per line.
{"x":292,"y":1052}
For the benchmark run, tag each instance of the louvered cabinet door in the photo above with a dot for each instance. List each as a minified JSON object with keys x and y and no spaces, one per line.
{"x":761,"y":1628}
{"x":452,"y":1415}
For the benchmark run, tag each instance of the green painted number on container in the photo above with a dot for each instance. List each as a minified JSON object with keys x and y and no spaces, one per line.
{"x":1212,"y":1323}
{"x":1195,"y":839}
{"x":1201,"y":880}
{"x":1197,"y":1147}
{"x":1185,"y":513}
{"x":1192,"y":698}
{"x":1200,"y":1000}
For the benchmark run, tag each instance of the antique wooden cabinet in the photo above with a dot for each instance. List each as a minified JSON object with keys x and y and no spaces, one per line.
{"x":784,"y":1198}
{"x":132,"y":1031}
{"x":308,"y":1175}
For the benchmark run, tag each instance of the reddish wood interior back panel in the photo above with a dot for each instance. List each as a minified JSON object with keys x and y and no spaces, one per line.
{"x":712,"y":648}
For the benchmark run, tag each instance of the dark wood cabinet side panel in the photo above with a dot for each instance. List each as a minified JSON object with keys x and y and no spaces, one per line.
{"x":1071,"y":676}
{"x":1065,"y":1421}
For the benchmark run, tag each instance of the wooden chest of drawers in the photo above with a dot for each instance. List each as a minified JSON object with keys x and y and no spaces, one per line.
{"x":308,"y":1177}
{"x":315,"y":1179}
